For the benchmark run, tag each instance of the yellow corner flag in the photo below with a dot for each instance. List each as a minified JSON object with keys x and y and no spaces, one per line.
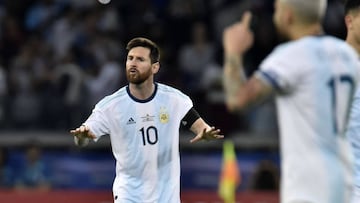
{"x":230,"y":175}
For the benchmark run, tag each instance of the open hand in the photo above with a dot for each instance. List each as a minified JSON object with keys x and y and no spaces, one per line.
{"x":238,"y":38}
{"x":82,"y":132}
{"x":210,"y":134}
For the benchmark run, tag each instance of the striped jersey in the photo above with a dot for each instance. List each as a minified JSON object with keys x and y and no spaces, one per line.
{"x":353,"y":132}
{"x":144,"y":137}
{"x":315,"y":78}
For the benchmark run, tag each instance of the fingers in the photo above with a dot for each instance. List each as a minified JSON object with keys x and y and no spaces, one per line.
{"x":195,"y":139}
{"x":82,"y":131}
{"x":238,"y":37}
{"x":212,"y":133}
{"x":83,"y":128}
{"x":215,"y":133}
{"x":245,"y":21}
{"x":246,"y":18}
{"x":219,"y":136}
{"x":199,"y":136}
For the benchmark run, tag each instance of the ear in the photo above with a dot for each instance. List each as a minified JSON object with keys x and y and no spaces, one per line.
{"x":289,"y":16}
{"x":348,"y":21}
{"x":155,"y":67}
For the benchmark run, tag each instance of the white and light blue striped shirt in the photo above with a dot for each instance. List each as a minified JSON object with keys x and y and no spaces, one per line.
{"x":353,"y":133}
{"x":315,"y":78}
{"x":145,"y":142}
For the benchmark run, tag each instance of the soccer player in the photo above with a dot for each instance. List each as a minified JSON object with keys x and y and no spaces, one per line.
{"x":143,"y":120}
{"x":352,"y":21}
{"x":313,"y":77}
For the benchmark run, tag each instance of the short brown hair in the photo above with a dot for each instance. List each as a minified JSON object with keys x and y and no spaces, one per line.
{"x":144,"y":42}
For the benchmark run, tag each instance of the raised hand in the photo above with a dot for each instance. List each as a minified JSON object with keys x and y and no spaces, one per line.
{"x":238,"y":38}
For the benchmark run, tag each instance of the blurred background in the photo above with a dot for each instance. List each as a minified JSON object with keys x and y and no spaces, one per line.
{"x":59,"y":57}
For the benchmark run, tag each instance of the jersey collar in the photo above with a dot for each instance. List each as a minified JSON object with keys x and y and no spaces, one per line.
{"x":142,"y":100}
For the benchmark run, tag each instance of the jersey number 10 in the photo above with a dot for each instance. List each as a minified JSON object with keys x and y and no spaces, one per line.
{"x":150,"y":135}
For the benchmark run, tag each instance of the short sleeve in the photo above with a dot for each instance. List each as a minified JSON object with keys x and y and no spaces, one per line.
{"x":97,"y":123}
{"x":186,"y":104}
{"x":281,"y":69}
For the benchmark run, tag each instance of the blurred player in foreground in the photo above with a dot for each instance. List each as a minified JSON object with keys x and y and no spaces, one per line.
{"x":352,"y":21}
{"x":314,"y":77}
{"x":143,"y":120}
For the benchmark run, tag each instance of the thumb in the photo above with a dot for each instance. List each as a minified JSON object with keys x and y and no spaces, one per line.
{"x":246,"y":18}
{"x":195,"y":139}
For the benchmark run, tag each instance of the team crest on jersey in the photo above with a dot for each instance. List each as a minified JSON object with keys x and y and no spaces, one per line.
{"x":164,"y":115}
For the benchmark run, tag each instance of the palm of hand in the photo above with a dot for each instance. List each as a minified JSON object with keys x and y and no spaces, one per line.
{"x":208,"y":135}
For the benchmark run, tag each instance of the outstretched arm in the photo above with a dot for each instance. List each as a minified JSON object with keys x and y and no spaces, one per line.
{"x":240,"y":92}
{"x":204,"y":132}
{"x":82,"y":135}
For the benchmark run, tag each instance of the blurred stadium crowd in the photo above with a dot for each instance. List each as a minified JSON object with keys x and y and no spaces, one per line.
{"x":59,"y":57}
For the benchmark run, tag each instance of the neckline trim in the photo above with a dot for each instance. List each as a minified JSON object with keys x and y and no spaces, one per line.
{"x":142,"y":100}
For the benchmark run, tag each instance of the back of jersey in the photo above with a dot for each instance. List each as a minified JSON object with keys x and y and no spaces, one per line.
{"x":316,"y":78}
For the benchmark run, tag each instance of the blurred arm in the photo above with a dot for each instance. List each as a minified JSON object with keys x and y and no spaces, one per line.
{"x":240,"y":92}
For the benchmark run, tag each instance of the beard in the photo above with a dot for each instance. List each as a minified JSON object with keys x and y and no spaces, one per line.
{"x":137,"y":77}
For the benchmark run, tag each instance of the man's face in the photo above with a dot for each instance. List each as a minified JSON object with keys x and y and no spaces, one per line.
{"x":354,"y":25}
{"x":138,"y":65}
